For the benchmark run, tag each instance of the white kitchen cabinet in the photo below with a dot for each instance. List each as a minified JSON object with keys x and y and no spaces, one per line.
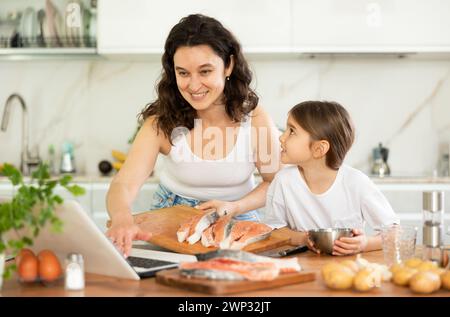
{"x":6,"y":192}
{"x":144,"y":199}
{"x":142,"y":202}
{"x":141,"y":26}
{"x":83,"y":200}
{"x":371,"y":25}
{"x":98,"y":203}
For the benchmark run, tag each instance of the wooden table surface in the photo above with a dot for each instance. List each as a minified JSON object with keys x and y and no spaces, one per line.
{"x":99,"y":285}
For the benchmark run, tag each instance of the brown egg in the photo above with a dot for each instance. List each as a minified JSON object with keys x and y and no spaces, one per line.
{"x":21,"y":253}
{"x":28,"y":268}
{"x":49,"y":266}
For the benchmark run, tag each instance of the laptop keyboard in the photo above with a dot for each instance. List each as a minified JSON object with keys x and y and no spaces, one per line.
{"x":147,"y":263}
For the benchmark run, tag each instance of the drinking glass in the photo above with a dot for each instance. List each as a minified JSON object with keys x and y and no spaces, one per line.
{"x":399,"y":243}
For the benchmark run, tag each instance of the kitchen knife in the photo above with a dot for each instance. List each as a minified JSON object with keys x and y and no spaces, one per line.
{"x":282,"y":253}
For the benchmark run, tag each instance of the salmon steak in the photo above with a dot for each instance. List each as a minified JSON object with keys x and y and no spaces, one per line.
{"x":237,"y":265}
{"x":245,"y":232}
{"x":288,"y":265}
{"x":222,"y":232}
{"x":191,"y":231}
{"x":237,"y":270}
{"x":217,"y":232}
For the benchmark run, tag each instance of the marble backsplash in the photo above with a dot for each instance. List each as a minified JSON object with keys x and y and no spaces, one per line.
{"x":404,"y":103}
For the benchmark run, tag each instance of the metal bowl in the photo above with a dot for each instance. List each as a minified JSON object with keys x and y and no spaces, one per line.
{"x":324,"y":238}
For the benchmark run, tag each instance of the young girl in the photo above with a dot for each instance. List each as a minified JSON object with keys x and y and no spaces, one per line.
{"x":318,"y":191}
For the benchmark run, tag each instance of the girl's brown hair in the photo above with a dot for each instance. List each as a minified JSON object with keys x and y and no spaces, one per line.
{"x":171,"y":110}
{"x":328,"y":121}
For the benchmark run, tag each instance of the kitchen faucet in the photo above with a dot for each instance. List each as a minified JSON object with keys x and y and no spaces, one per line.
{"x":26,"y":160}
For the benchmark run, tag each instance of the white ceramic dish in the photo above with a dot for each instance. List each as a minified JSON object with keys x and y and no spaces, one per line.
{"x":74,"y":22}
{"x":29,"y":26}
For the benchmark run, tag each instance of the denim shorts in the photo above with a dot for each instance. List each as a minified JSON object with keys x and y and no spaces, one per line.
{"x":163,"y":198}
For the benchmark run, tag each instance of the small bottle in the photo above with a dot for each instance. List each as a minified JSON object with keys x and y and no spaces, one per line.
{"x":52,"y":159}
{"x":67,"y":159}
{"x":74,"y":272}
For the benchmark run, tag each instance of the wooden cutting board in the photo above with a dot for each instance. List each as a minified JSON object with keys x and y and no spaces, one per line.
{"x":216,"y":287}
{"x":164,"y":223}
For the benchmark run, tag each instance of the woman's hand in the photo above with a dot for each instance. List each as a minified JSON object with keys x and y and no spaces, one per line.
{"x":310,"y":244}
{"x":123,"y":233}
{"x":350,"y":245}
{"x":222,"y":207}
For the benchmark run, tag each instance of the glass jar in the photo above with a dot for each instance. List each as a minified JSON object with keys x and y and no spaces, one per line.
{"x":74,"y":280}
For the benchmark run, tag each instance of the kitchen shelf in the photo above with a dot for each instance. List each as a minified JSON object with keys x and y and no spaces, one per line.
{"x":13,"y":54}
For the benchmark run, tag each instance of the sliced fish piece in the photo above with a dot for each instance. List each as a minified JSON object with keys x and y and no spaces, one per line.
{"x":208,"y":237}
{"x":238,"y":229}
{"x":212,"y":274}
{"x":256,"y":232}
{"x":185,"y":228}
{"x":256,"y":271}
{"x":222,"y":229}
{"x":213,"y":235}
{"x":200,"y":224}
{"x":245,"y":232}
{"x":285,"y":265}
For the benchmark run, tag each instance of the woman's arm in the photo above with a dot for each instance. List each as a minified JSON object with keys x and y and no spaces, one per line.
{"x":126,"y":184}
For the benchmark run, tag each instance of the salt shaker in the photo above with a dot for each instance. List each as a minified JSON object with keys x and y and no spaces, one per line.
{"x":74,"y":272}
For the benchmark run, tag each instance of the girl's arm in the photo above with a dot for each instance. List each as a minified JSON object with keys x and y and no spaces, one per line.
{"x":356,"y":244}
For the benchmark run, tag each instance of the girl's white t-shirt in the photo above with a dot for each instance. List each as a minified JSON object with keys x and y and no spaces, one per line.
{"x":351,"y":200}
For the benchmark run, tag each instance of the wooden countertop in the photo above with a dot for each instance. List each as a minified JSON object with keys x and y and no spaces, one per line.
{"x":99,"y":285}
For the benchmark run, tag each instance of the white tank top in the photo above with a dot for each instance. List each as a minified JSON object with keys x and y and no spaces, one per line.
{"x":229,"y":178}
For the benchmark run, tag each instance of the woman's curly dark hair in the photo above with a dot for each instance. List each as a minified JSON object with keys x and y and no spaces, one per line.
{"x":171,"y":110}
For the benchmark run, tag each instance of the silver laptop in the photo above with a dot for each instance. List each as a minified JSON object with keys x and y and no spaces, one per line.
{"x":81,"y":235}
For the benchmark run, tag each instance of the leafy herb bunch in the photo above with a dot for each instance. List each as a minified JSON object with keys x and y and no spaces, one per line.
{"x":31,"y":208}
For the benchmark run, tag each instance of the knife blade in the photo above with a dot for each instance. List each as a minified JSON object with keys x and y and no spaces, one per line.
{"x":283,"y":253}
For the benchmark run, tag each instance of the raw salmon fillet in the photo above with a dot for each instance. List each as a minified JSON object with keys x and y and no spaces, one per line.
{"x":257,"y":271}
{"x":243,"y":233}
{"x":185,"y":228}
{"x":192,"y":229}
{"x":285,"y":265}
{"x":217,"y":232}
{"x":222,"y":232}
{"x":208,"y":237}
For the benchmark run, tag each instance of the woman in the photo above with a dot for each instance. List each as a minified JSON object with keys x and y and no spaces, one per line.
{"x":207,"y":123}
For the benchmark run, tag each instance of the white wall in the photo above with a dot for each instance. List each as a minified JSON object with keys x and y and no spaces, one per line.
{"x":404,"y":103}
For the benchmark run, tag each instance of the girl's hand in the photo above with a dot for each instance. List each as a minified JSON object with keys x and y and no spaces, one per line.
{"x":310,"y":244}
{"x":122,"y":235}
{"x":222,"y":207}
{"x":350,"y":245}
